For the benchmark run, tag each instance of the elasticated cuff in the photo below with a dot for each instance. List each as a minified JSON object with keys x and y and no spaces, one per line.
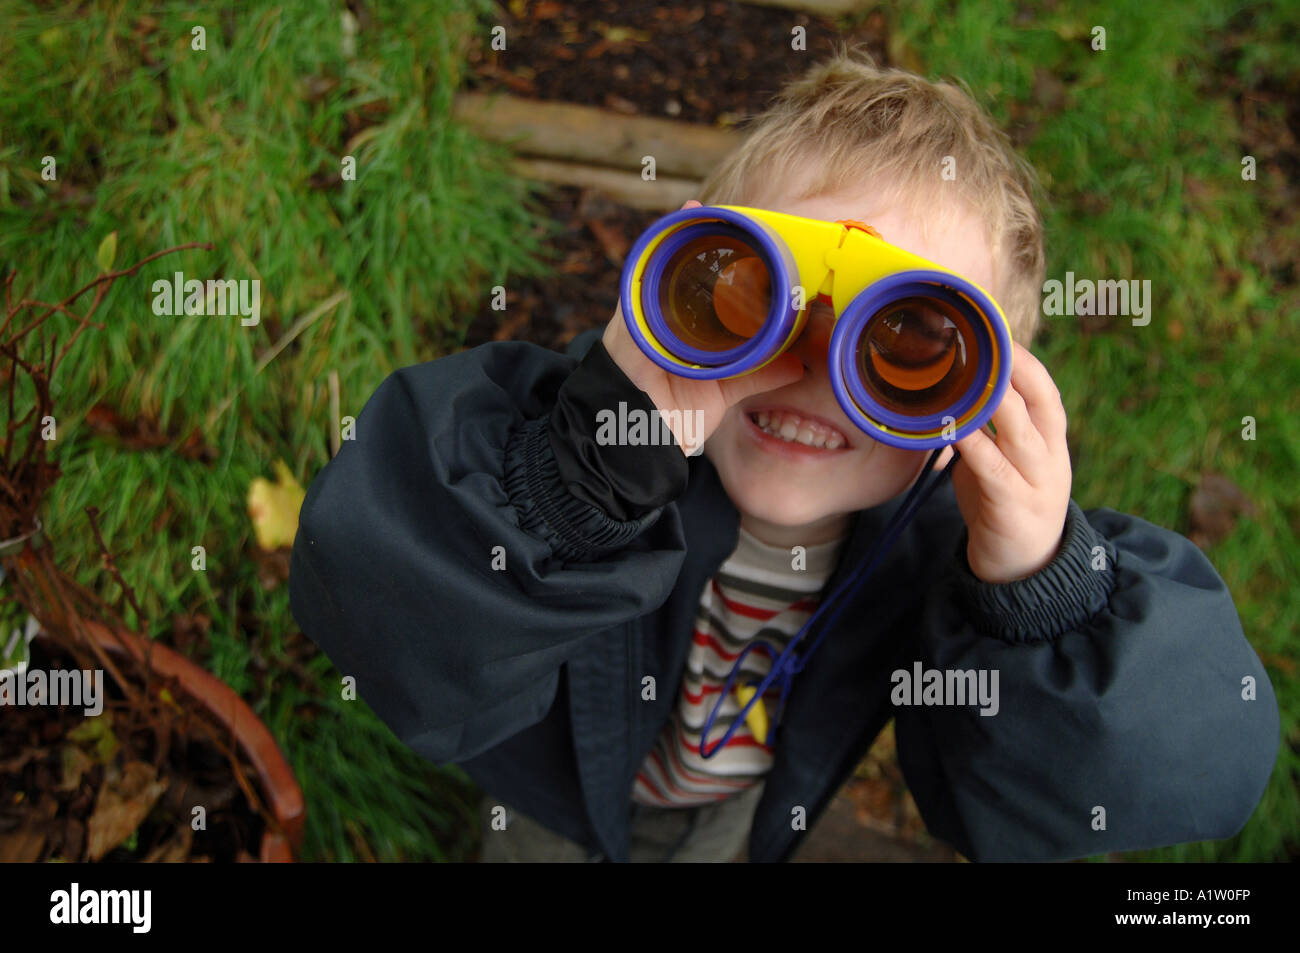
{"x":625,"y":480}
{"x":1059,"y":598}
{"x":575,"y":530}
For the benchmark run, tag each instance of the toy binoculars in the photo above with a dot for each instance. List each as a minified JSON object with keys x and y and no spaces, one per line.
{"x":918,"y":355}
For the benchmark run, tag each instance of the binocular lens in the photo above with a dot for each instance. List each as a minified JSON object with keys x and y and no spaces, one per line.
{"x":918,"y":356}
{"x":715,"y":293}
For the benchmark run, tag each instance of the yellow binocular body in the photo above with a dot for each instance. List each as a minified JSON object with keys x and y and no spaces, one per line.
{"x":918,"y":355}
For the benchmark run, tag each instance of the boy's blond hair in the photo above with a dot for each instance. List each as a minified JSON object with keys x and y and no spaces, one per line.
{"x":895,"y":130}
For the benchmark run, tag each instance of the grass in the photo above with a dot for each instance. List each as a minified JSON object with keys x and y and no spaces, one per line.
{"x":1140,"y":150}
{"x":241,"y":145}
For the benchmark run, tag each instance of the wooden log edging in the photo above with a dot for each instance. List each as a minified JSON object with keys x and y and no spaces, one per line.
{"x":596,"y":137}
{"x":627,"y":188}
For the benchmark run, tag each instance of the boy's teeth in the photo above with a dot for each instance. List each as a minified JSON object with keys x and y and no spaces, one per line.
{"x":793,"y":429}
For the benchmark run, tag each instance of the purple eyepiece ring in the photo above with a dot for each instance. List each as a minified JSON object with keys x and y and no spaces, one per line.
{"x":716,"y":365}
{"x":868,"y":413}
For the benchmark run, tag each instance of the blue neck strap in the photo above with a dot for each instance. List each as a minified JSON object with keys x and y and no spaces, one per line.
{"x":790,"y":663}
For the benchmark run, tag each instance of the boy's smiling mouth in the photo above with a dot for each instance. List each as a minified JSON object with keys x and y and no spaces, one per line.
{"x":786,"y":428}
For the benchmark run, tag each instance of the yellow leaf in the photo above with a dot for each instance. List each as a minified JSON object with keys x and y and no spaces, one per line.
{"x":622,"y":34}
{"x":98,"y":733}
{"x":107,"y":252}
{"x":274,"y":508}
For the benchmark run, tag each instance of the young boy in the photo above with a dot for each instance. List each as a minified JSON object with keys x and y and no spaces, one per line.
{"x":558,"y":616}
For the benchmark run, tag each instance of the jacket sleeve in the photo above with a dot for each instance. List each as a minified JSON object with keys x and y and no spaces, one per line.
{"x":443,"y":560}
{"x":1131,"y":712}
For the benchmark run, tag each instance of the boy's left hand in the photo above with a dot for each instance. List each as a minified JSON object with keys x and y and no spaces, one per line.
{"x":1014,"y":489}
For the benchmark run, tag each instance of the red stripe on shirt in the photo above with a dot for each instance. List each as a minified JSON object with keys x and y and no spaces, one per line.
{"x":754,"y":612}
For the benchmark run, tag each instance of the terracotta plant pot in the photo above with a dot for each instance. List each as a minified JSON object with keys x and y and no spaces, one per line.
{"x":278,"y":785}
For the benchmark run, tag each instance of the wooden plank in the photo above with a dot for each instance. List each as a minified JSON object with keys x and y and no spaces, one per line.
{"x":594,"y":136}
{"x":664,"y":193}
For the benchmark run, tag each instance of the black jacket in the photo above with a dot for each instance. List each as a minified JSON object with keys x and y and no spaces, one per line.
{"x":1120,"y":688}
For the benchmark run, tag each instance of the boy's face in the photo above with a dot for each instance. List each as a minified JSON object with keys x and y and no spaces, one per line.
{"x":792,"y":491}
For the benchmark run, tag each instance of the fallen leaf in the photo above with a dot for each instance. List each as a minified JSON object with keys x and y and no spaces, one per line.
{"x":107,"y":252}
{"x":97,"y":732}
{"x":122,"y":806}
{"x":21,"y":847}
{"x":75,"y":763}
{"x":1215,"y":506}
{"x":174,"y":850}
{"x":612,"y":241}
{"x":273,"y":567}
{"x":194,"y":447}
{"x":139,"y":434}
{"x":274,"y":508}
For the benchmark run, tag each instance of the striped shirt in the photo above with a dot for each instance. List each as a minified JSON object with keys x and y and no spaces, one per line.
{"x":761,"y":591}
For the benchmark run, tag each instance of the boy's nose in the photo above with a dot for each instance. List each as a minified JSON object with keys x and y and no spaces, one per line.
{"x":813,"y":345}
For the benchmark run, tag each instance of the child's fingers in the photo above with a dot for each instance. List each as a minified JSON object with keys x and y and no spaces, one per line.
{"x":786,"y":369}
{"x":995,"y":474}
{"x":1018,"y":438}
{"x":1042,"y":398}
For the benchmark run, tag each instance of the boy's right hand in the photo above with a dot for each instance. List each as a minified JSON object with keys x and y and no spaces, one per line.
{"x":672,"y":393}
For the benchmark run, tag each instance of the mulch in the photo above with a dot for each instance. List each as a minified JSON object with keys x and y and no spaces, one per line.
{"x":712,"y":63}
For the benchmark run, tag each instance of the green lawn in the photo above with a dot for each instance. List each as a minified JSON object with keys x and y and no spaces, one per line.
{"x":241,"y":144}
